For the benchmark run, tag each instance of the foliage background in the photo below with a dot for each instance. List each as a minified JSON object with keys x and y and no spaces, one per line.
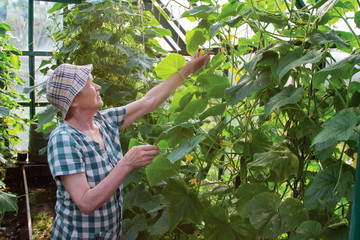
{"x":261,"y":143}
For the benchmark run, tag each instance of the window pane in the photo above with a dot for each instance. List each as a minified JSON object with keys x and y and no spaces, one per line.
{"x":15,"y":14}
{"x":40,"y":78}
{"x":42,"y":26}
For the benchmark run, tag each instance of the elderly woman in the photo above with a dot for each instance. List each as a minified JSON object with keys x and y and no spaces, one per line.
{"x":84,"y":151}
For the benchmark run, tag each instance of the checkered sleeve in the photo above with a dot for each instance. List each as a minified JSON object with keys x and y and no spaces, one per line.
{"x":64,"y":155}
{"x":114,"y":116}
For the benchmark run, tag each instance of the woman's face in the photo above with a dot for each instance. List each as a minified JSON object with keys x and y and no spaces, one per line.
{"x":89,"y":97}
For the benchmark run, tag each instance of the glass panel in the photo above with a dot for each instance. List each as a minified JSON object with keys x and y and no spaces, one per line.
{"x":15,"y":14}
{"x":43,"y":26}
{"x":39,"y":78}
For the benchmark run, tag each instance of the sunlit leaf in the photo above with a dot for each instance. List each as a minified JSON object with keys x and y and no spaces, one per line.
{"x":214,"y":28}
{"x":57,"y":7}
{"x":194,"y":107}
{"x":194,"y":39}
{"x":169,"y":65}
{"x":202,"y":11}
{"x":357,"y":19}
{"x":325,"y":7}
{"x":327,"y":188}
{"x":8,"y":202}
{"x":227,"y":10}
{"x":288,"y":95}
{"x":184,"y":148}
{"x":272,"y":217}
{"x":160,"y":169}
{"x":216,"y":110}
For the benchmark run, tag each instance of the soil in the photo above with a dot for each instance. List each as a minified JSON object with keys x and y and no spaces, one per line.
{"x":42,"y":198}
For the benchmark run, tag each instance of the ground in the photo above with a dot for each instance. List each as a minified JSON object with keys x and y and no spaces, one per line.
{"x":42,"y":197}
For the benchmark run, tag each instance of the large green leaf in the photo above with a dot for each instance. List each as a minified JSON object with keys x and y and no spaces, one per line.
{"x":259,"y":141}
{"x":160,"y":169}
{"x":295,"y":59}
{"x":161,"y":225}
{"x":8,"y":202}
{"x":194,"y":107}
{"x":272,"y":217}
{"x":194,"y":39}
{"x":247,"y":85}
{"x":176,"y":134}
{"x":132,"y":227}
{"x":289,"y":95}
{"x":357,"y":19}
{"x":169,"y":65}
{"x":202,"y":11}
{"x":281,"y":160}
{"x":213,"y":85}
{"x":337,"y":231}
{"x":183,"y":202}
{"x":101,"y":36}
{"x":307,"y":230}
{"x":185,"y":147}
{"x":143,"y":61}
{"x":214,"y":29}
{"x":318,"y":37}
{"x":152,"y":204}
{"x":276,"y":19}
{"x":245,"y":192}
{"x":339,"y":127}
{"x":125,"y":49}
{"x":342,"y":69}
{"x":327,"y":188}
{"x":228,"y":9}
{"x":218,"y":225}
{"x":216,"y":110}
{"x":325,"y":7}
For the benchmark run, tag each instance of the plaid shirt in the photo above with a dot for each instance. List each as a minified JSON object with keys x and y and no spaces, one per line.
{"x":70,"y":151}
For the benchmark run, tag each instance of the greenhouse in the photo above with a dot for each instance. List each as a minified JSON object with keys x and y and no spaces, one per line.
{"x":180,"y":119}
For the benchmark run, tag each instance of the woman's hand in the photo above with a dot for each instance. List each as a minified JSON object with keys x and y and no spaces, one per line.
{"x":198,"y":60}
{"x":140,"y":156}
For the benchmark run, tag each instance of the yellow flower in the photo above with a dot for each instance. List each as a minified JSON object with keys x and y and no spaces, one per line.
{"x":188,"y":158}
{"x":300,"y":21}
{"x":114,"y":78}
{"x":299,"y":35}
{"x":227,"y":144}
{"x":230,"y":37}
{"x":237,"y":78}
{"x":202,"y":52}
{"x":53,"y":52}
{"x":193,"y":182}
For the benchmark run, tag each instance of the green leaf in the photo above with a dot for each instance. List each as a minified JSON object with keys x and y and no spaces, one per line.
{"x":276,"y":19}
{"x":216,"y":61}
{"x":337,"y":231}
{"x":194,"y":39}
{"x":194,"y":107}
{"x":247,"y":85}
{"x":125,"y":49}
{"x":282,"y":161}
{"x":8,"y":202}
{"x":357,"y":19}
{"x":213,"y":85}
{"x":245,"y":192}
{"x":101,"y":36}
{"x":327,"y":188}
{"x":142,"y":61}
{"x":307,"y":230}
{"x":169,"y":65}
{"x":202,"y":11}
{"x":4,"y":111}
{"x":259,"y":141}
{"x":132,"y":227}
{"x":342,"y":69}
{"x":57,"y":7}
{"x":325,"y":7}
{"x":214,"y":29}
{"x":339,"y":127}
{"x":176,"y":134}
{"x":183,"y":202}
{"x":318,"y":37}
{"x":288,"y":95}
{"x":227,"y":10}
{"x":216,"y":110}
{"x":218,"y":225}
{"x":294,"y":59}
{"x":272,"y":217}
{"x":160,"y":169}
{"x":162,"y":224}
{"x":185,"y":147}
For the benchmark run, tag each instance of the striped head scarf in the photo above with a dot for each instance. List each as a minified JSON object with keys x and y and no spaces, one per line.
{"x":65,"y":83}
